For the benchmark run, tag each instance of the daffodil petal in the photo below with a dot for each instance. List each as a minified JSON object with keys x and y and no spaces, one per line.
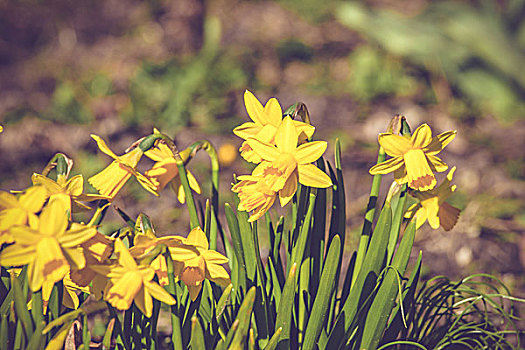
{"x":33,"y":198}
{"x":310,"y":175}
{"x":79,"y":235}
{"x":254,"y":108}
{"x":265,"y":150}
{"x":448,"y":216}
{"x":286,"y":137}
{"x":197,"y":238}
{"x":214,"y":257}
{"x":305,"y":128}
{"x":50,"y":185}
{"x":439,"y":142}
{"x":8,"y":200}
{"x":394,"y":145}
{"x":194,"y":185}
{"x":437,"y":164}
{"x":17,"y":255}
{"x":387,"y":166}
{"x":103,"y":146}
{"x":217,"y":274}
{"x":311,"y":151}
{"x":194,"y":291}
{"x":160,"y":293}
{"x":288,"y":190}
{"x":54,"y":218}
{"x":273,"y":112}
{"x":247,"y":130}
{"x":421,"y":137}
{"x":124,"y":257}
{"x":420,"y":176}
{"x":75,"y":185}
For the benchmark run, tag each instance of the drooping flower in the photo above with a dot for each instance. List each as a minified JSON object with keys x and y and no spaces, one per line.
{"x":131,"y":282}
{"x":266,"y":121}
{"x":48,"y":247}
{"x":414,"y":158}
{"x":165,"y":171}
{"x":285,"y":164}
{"x":110,"y":180}
{"x":432,"y":206}
{"x":255,"y":194}
{"x":192,"y":266}
{"x":72,"y":188}
{"x":19,"y":210}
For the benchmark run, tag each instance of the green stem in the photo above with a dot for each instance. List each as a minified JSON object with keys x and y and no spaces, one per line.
{"x":176,"y":335}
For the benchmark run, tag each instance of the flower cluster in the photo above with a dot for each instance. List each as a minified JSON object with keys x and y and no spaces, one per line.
{"x":414,"y":161}
{"x":283,"y":153}
{"x":38,"y":232}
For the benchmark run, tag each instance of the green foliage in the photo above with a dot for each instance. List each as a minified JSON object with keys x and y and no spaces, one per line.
{"x":478,"y":49}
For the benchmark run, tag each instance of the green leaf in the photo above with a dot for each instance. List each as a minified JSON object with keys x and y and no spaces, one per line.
{"x":233,"y":225}
{"x":243,"y":317}
{"x":326,"y":289}
{"x":274,"y":340}
{"x":383,"y":303}
{"x":284,"y":311}
{"x":197,"y":335}
{"x":21,"y":310}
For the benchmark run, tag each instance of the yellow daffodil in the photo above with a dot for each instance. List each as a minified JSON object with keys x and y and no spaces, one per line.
{"x":144,"y":244}
{"x":1,"y":128}
{"x":19,"y":211}
{"x":71,"y":289}
{"x":255,"y":194}
{"x":432,"y":206}
{"x":165,"y":171}
{"x":131,"y":282}
{"x":266,"y":121}
{"x":110,"y":180}
{"x":72,"y":188}
{"x":193,"y":266}
{"x":414,"y":158}
{"x":47,"y":247}
{"x":285,"y":164}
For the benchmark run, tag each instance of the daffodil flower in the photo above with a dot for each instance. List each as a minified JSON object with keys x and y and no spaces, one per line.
{"x":72,"y":188}
{"x":432,"y":206}
{"x":193,"y":266}
{"x":131,"y":282}
{"x":48,"y":247}
{"x":71,"y":289}
{"x":143,"y":244}
{"x":19,"y":211}
{"x":165,"y":171}
{"x":255,"y":194}
{"x":266,"y":121}
{"x":414,"y":158}
{"x":285,"y":164}
{"x":110,"y":180}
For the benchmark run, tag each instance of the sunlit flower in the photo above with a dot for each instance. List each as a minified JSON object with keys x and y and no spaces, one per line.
{"x":414,"y":158}
{"x":19,"y":210}
{"x":266,"y":121}
{"x":193,"y":266}
{"x":72,"y":188}
{"x":432,"y":206}
{"x":255,"y":194}
{"x":165,"y":171}
{"x":285,"y":164}
{"x":131,"y":282}
{"x":47,"y":247}
{"x":144,"y":244}
{"x":110,"y":180}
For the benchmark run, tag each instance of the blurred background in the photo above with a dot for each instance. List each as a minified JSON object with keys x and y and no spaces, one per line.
{"x":118,"y":68}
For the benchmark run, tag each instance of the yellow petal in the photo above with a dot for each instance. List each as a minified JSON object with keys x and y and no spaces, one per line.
{"x":265,"y":150}
{"x":50,"y":263}
{"x":75,"y":185}
{"x":394,"y":145}
{"x":311,"y":151}
{"x":249,"y":154}
{"x":17,"y":255}
{"x":144,"y":302}
{"x":287,"y":192}
{"x":387,"y":166}
{"x":12,"y":217}
{"x":33,"y":198}
{"x":254,"y":108}
{"x":420,"y":176}
{"x":439,"y":142}
{"x":8,"y":200}
{"x":437,"y":164}
{"x":25,"y":235}
{"x":217,"y":274}
{"x":305,"y":128}
{"x":124,"y":257}
{"x":421,"y":137}
{"x":103,"y":146}
{"x":286,"y":137}
{"x":247,"y":130}
{"x":197,"y":238}
{"x":50,"y":185}
{"x":121,"y":294}
{"x":273,"y":112}
{"x":110,"y":180}
{"x":146,"y":183}
{"x":160,"y":293}
{"x":310,"y":175}
{"x":79,"y":235}
{"x":54,"y":217}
